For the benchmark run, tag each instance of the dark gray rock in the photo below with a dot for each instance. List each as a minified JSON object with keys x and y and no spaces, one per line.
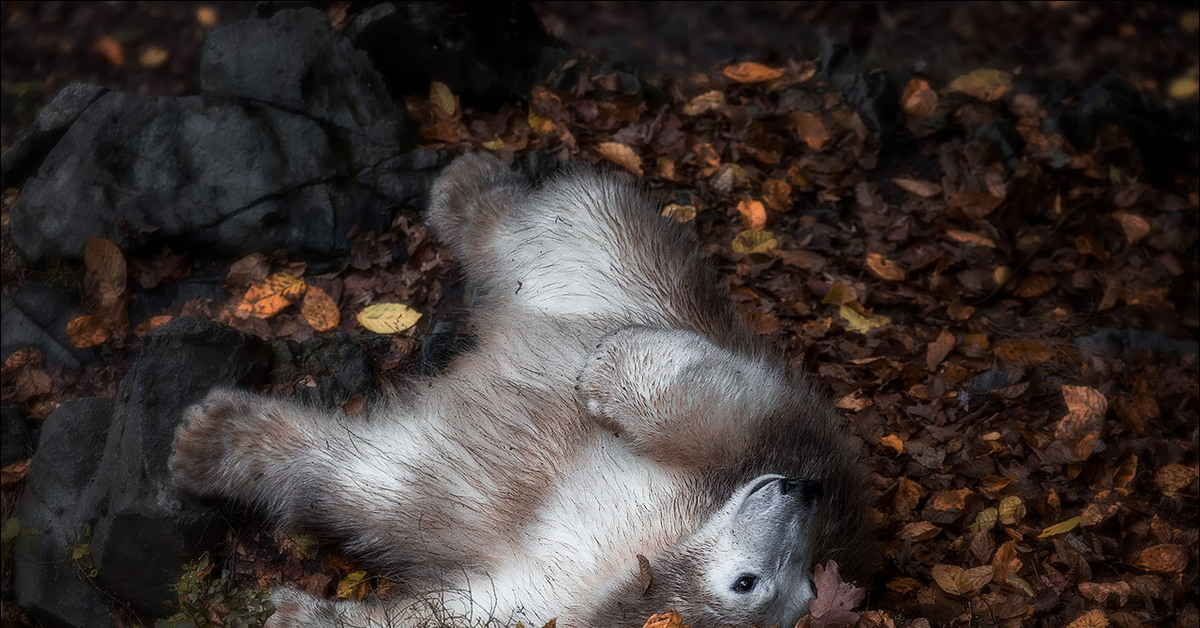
{"x":14,"y":435}
{"x":22,"y":158}
{"x":1122,"y":343}
{"x":37,"y":316}
{"x":148,"y":530}
{"x":56,"y":507}
{"x":296,"y":141}
{"x":485,"y":52}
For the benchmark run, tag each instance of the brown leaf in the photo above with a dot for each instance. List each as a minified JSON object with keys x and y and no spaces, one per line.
{"x":1080,"y":428}
{"x":937,"y":350}
{"x":1167,"y":557}
{"x":951,"y":500}
{"x":713,"y":100}
{"x":669,"y":619}
{"x":924,"y":189}
{"x":621,"y":155}
{"x":32,"y":382}
{"x":809,"y":128}
{"x":14,"y":472}
{"x":355,"y":405}
{"x":777,"y":194}
{"x":751,"y":72}
{"x":885,"y":268}
{"x":251,"y":269}
{"x":919,"y":99}
{"x":1023,"y":351}
{"x":1175,"y":477}
{"x":320,"y":310}
{"x":754,"y":215}
{"x":984,"y":84}
{"x":908,"y":495}
{"x":1005,"y":561}
{"x":88,"y":331}
{"x":1134,"y":226}
{"x":966,"y":237}
{"x":645,"y":574}
{"x":112,"y":50}
{"x":835,"y":600}
{"x":1101,"y":591}
{"x":918,"y":531}
{"x":974,"y":204}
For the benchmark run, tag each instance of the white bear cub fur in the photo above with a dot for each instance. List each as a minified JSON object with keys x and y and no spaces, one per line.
{"x":618,"y":444}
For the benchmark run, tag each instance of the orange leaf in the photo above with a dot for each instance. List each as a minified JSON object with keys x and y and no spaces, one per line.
{"x":951,"y":500}
{"x":320,"y":310}
{"x":919,"y":531}
{"x":893,"y":442}
{"x":924,"y":189}
{"x":88,"y":331}
{"x":919,"y":99}
{"x":669,"y":619}
{"x":754,"y":215}
{"x":111,"y":50}
{"x":966,"y":237}
{"x":1166,"y":557}
{"x":885,"y":268}
{"x":1005,"y":561}
{"x":810,"y":128}
{"x":266,"y":299}
{"x":621,"y":155}
{"x":751,"y":72}
{"x":1134,"y":226}
{"x":908,"y":495}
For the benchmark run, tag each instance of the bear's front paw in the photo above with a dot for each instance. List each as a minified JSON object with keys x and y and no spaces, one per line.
{"x":205,"y":441}
{"x":608,"y":386}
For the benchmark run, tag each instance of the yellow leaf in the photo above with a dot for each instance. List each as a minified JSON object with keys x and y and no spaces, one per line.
{"x":1183,"y":88}
{"x":320,"y":310}
{"x":680,"y":213}
{"x":708,"y":101}
{"x":440,"y":95}
{"x":353,"y":586}
{"x":754,"y":215}
{"x":1012,"y":510}
{"x":749,"y":241}
{"x":1061,"y":527}
{"x":884,"y":267}
{"x":751,"y":72}
{"x":388,"y":318}
{"x":493,"y":144}
{"x":839,"y":294}
{"x":621,"y":155}
{"x":985,"y":520}
{"x":860,"y":323}
{"x":984,"y":84}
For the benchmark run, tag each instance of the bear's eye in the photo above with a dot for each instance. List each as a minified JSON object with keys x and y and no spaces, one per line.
{"x":745,"y":583}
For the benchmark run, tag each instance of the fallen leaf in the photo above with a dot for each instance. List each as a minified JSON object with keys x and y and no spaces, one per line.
{"x":924,"y":189}
{"x":272,"y":296}
{"x":985,"y":520}
{"x":839,"y":294}
{"x":862,"y":323}
{"x":885,"y":268}
{"x":810,"y":129}
{"x":892,"y":442}
{"x":1183,"y":87}
{"x":388,"y":318}
{"x":918,"y":531}
{"x":1101,"y":591}
{"x":958,"y":581}
{"x":985,"y":84}
{"x":680,"y":213}
{"x":1080,"y":428}
{"x":320,"y":310}
{"x":151,"y":324}
{"x":966,"y":237}
{"x":908,"y":495}
{"x":1175,"y":477}
{"x":153,"y":57}
{"x":355,"y":405}
{"x":440,"y":95}
{"x":32,"y":382}
{"x":750,"y":241}
{"x":87,"y":331}
{"x":1005,"y":561}
{"x":645,"y":574}
{"x":951,"y":500}
{"x":919,"y":99}
{"x":621,"y":155}
{"x":669,"y":619}
{"x":206,"y":16}
{"x":1012,"y":510}
{"x":1134,"y":226}
{"x":835,"y":600}
{"x":1167,"y":557}
{"x":353,"y":586}
{"x":754,"y":215}
{"x":11,"y":474}
{"x":1061,"y":527}
{"x":1095,"y":618}
{"x":112,"y":51}
{"x":708,"y":101}
{"x":777,"y":194}
{"x":751,"y":72}
{"x":937,"y":350}
{"x":1024,"y":351}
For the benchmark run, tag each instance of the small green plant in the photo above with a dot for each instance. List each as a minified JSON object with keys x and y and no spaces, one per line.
{"x":82,"y":552}
{"x":204,"y":601}
{"x":10,"y":533}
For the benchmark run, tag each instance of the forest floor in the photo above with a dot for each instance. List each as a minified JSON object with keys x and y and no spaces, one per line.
{"x":990,"y":261}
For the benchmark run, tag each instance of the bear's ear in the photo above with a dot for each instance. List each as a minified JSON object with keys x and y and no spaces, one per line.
{"x":675,"y":395}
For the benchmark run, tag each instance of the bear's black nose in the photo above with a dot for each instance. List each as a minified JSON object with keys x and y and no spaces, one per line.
{"x":808,"y":490}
